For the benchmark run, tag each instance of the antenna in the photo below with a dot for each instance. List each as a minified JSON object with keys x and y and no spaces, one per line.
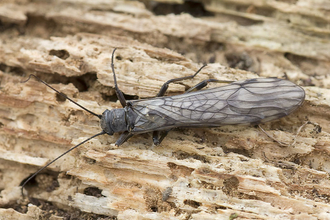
{"x":63,"y":95}
{"x":48,"y":164}
{"x":51,"y":162}
{"x":119,"y":93}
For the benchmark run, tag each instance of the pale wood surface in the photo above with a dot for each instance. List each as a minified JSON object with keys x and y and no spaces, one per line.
{"x":226,"y":172}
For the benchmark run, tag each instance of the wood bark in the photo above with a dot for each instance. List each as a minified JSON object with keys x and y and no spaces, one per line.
{"x":230,"y":172}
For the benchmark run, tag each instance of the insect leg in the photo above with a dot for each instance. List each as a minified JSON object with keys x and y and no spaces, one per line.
{"x":165,"y":85}
{"x":123,"y":138}
{"x":158,"y":136}
{"x":204,"y":83}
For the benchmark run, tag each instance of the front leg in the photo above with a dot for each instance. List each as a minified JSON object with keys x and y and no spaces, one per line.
{"x":123,"y":138}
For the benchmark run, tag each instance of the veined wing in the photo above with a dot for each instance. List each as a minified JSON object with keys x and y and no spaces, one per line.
{"x":251,"y":101}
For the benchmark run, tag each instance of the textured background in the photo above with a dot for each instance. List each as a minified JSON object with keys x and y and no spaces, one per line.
{"x":226,"y":173}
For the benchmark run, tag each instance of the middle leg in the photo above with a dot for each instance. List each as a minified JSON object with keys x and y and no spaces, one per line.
{"x":158,"y":136}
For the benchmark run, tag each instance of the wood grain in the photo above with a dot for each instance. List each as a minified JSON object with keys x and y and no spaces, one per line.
{"x":226,"y":172}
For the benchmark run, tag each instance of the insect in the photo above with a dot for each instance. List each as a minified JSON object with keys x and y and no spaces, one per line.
{"x":251,"y":101}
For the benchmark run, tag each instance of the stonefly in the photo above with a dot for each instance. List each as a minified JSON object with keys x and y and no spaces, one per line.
{"x":251,"y":101}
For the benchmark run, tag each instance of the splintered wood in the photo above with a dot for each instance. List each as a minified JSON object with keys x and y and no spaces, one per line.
{"x":230,"y":172}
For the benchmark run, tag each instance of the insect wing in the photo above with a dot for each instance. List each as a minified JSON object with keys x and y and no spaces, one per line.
{"x":251,"y":101}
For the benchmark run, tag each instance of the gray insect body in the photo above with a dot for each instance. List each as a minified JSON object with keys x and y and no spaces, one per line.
{"x":251,"y":101}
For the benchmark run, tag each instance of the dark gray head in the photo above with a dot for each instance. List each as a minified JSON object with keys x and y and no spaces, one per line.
{"x":113,"y":121}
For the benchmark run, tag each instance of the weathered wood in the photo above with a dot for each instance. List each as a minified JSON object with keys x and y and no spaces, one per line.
{"x":226,"y":172}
